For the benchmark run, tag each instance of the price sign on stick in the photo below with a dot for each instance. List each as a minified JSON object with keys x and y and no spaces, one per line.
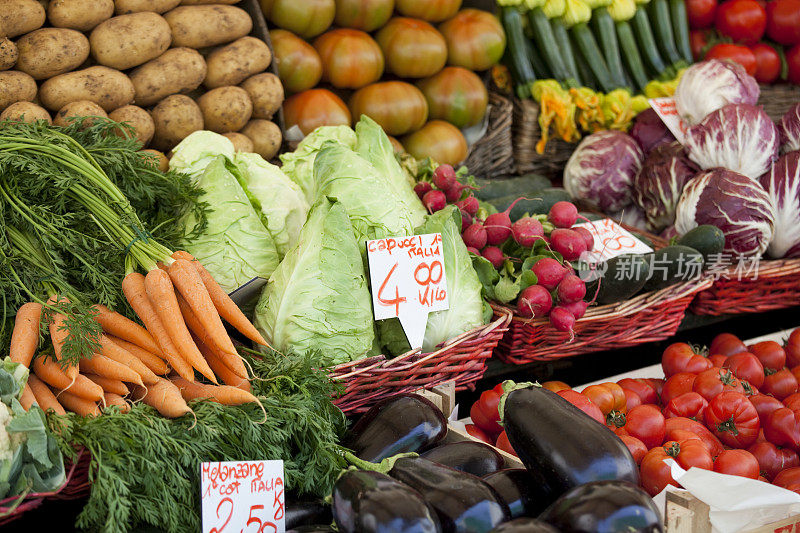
{"x":666,"y":109}
{"x":408,"y":281}
{"x":612,"y":240}
{"x":242,"y":497}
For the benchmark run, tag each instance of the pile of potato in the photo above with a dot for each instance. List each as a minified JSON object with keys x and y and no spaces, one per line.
{"x":167,"y":67}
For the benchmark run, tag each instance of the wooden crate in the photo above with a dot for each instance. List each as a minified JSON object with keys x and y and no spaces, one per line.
{"x":686,"y":514}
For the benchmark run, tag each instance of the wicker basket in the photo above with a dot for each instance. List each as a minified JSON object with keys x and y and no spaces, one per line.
{"x":462,"y":359}
{"x":526,"y":134}
{"x":777,"y":99}
{"x":491,"y":156}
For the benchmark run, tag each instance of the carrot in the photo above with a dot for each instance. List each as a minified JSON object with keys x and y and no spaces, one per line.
{"x":151,"y":360}
{"x":59,"y":334}
{"x":121,"y":355}
{"x":119,"y":401}
{"x":25,"y":337}
{"x":126,"y":329}
{"x":162,"y":296}
{"x":226,"y":307}
{"x":227,"y":375}
{"x":27,"y":398}
{"x":106,"y":367}
{"x":78,"y":405}
{"x":232,"y":361}
{"x":165,"y":397}
{"x":135,"y":293}
{"x":44,"y":396}
{"x":110,"y":385}
{"x":48,"y":371}
{"x":223,"y":394}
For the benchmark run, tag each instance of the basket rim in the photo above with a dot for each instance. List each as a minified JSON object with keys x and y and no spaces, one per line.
{"x":769,"y":268}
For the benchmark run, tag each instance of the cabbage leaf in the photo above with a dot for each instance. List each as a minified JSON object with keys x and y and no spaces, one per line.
{"x":194,"y":153}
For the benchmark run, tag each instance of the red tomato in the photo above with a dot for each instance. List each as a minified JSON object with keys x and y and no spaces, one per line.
{"x":737,"y":463}
{"x":647,"y":424}
{"x":366,"y":15}
{"x":796,"y":373}
{"x":712,"y":382}
{"x":740,"y":54}
{"x":631,"y":399}
{"x":556,"y":386}
{"x":733,"y":419}
{"x":789,"y":479}
{"x":765,"y":405}
{"x":793,"y":60}
{"x":430,"y":10}
{"x":635,"y":446}
{"x":438,"y":140}
{"x":727,"y":344}
{"x":607,"y":396}
{"x":398,"y":107}
{"x":783,"y":428}
{"x":655,"y":474}
{"x":792,"y":349}
{"x":792,"y":401}
{"x":698,"y":40}
{"x":478,"y":433}
{"x":485,"y":412}
{"x":504,"y":444}
{"x":678,"y":384}
{"x":475,"y":39}
{"x":689,"y":405}
{"x":681,"y":357}
{"x":770,"y":353}
{"x":307,"y":19}
{"x":771,"y":459}
{"x":299,"y":65}
{"x":583,"y":403}
{"x":456,"y":95}
{"x":657,"y":384}
{"x":642,"y":388}
{"x":676,"y":427}
{"x":313,"y":108}
{"x":718,"y":359}
{"x":742,"y":20}
{"x":701,"y":13}
{"x":351,"y":59}
{"x":780,"y":384}
{"x":746,"y":366}
{"x":412,"y":48}
{"x":690,"y":452}
{"x":783,"y":21}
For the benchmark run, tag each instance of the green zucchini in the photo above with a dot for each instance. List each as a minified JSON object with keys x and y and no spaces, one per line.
{"x":586,"y":73}
{"x":588,"y":47}
{"x":518,"y":52}
{"x":567,"y":53}
{"x":706,"y":239}
{"x":673,"y":264}
{"x":540,"y":68}
{"x":546,"y":42}
{"x":523,"y":185}
{"x":603,"y":26}
{"x":633,"y":60}
{"x":647,"y":43}
{"x":680,"y":27}
{"x":662,"y":26}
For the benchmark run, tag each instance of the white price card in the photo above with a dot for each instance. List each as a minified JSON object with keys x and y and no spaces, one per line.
{"x":408,"y":280}
{"x":242,"y":497}
{"x":666,"y":109}
{"x":612,"y":240}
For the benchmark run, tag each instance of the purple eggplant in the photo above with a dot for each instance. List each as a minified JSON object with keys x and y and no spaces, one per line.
{"x":520,"y":491}
{"x":302,"y":513}
{"x":402,"y":423}
{"x":370,"y":502}
{"x":312,"y":529}
{"x":474,"y":458}
{"x":525,"y":525}
{"x":464,"y":503}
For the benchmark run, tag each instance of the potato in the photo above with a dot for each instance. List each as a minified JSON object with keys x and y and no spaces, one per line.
{"x":82,"y":108}
{"x":234,"y":63}
{"x":175,"y":117}
{"x":266,"y":137}
{"x":138,"y":118}
{"x":16,"y":86}
{"x":200,"y":26}
{"x":241,"y":143}
{"x":161,"y":160}
{"x":266,"y":93}
{"x":20,"y":16}
{"x":178,"y":70}
{"x":49,"y":52}
{"x":124,"y":7}
{"x":25,"y":112}
{"x":81,"y":15}
{"x":129,"y":40}
{"x":8,"y":54}
{"x":225,"y":109}
{"x":104,"y":86}
{"x":202,"y":2}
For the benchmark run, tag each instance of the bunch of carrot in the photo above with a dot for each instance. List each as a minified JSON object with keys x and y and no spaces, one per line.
{"x":182,"y":308}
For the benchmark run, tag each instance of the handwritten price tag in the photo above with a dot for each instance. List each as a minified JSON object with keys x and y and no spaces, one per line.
{"x":242,"y":497}
{"x":666,"y":109}
{"x":408,"y":281}
{"x":611,"y":240}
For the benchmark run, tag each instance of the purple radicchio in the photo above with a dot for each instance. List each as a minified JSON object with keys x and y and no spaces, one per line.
{"x":659,"y":184}
{"x":650,"y":131}
{"x":710,"y":85}
{"x":736,"y":204}
{"x":601,"y":169}
{"x":782,"y":184}
{"x":739,"y":137}
{"x":630,"y":215}
{"x":789,"y":127}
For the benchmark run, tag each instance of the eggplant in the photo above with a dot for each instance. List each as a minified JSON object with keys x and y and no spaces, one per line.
{"x":401,"y":423}
{"x":366,"y":502}
{"x":561,"y":445}
{"x":307,"y":513}
{"x":463,"y":502}
{"x":604,"y":507}
{"x":525,"y":525}
{"x":520,"y":491}
{"x":312,"y":529}
{"x":474,"y":458}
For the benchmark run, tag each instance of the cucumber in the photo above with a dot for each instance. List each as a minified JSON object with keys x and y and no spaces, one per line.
{"x":546,"y":44}
{"x":647,"y":43}
{"x":605,"y":31}
{"x":540,"y":204}
{"x":518,"y":53}
{"x":522,"y":186}
{"x":671,"y":265}
{"x":633,"y":59}
{"x":706,"y":239}
{"x":625,"y":275}
{"x":587,"y":46}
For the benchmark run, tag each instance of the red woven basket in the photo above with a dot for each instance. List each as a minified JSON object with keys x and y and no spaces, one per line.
{"x":462,"y":359}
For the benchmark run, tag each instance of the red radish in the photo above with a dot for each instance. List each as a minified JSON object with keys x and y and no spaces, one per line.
{"x":571,"y":289}
{"x":549,"y":272}
{"x":567,"y":242}
{"x":588,"y":238}
{"x":434,"y":201}
{"x":562,"y":319}
{"x":498,"y":225}
{"x":563,"y":214}
{"x":494,"y":255}
{"x":472,"y":250}
{"x":527,"y":231}
{"x":578,"y":309}
{"x":444,"y":176}
{"x":469,"y":204}
{"x":534,"y":301}
{"x":475,"y":236}
{"x":466,"y":220}
{"x":453,"y":194}
{"x":422,"y":187}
